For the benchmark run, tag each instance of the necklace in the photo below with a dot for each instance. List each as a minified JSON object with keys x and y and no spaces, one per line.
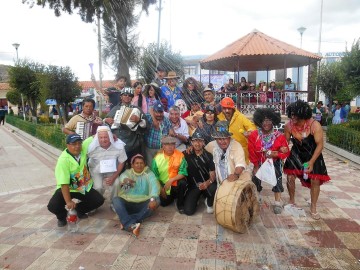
{"x":303,"y":129}
{"x":267,"y":140}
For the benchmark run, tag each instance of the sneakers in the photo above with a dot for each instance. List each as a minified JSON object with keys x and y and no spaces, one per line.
{"x":209,"y":209}
{"x":135,"y":229}
{"x":61,"y":222}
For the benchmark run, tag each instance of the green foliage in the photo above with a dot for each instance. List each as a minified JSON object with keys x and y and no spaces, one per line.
{"x":50,"y":134}
{"x":345,"y":136}
{"x":351,"y":69}
{"x":170,"y":60}
{"x":13,"y":97}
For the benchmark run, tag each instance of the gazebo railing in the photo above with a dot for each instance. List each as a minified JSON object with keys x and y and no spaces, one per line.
{"x":248,"y":101}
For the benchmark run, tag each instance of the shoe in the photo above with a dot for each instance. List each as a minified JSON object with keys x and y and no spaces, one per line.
{"x":82,"y":216}
{"x":181,"y":211}
{"x":315,"y":216}
{"x":209,"y":209}
{"x":135,"y":229}
{"x":61,"y":222}
{"x":277,"y":209}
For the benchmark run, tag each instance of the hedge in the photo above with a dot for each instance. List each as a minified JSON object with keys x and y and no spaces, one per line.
{"x":48,"y":133}
{"x":345,"y":136}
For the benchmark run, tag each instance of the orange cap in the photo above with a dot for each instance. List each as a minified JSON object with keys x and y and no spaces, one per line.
{"x":227,"y":103}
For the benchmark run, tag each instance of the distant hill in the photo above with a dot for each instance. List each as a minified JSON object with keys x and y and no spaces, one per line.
{"x":4,"y":76}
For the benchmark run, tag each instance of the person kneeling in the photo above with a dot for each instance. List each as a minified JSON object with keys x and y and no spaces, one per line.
{"x":137,"y":195}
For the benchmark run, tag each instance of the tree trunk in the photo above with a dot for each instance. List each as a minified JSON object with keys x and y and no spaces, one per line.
{"x":123,"y":64}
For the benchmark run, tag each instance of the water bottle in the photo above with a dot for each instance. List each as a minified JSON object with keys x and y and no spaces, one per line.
{"x":305,"y":174}
{"x":72,"y":220}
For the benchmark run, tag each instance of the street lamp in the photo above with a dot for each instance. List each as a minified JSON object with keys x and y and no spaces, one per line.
{"x":16,"y":46}
{"x":301,"y":31}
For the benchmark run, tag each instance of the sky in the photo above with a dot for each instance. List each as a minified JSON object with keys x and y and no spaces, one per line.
{"x":192,"y":27}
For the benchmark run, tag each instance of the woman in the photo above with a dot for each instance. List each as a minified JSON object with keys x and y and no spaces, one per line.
{"x":243,"y":84}
{"x":207,"y":123}
{"x":139,"y":99}
{"x":339,"y":114}
{"x":306,"y":135}
{"x":137,"y":196}
{"x":152,"y":93}
{"x":266,"y":143}
{"x":191,"y":92}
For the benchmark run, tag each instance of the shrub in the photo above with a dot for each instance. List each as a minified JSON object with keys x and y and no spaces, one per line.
{"x":345,"y":136}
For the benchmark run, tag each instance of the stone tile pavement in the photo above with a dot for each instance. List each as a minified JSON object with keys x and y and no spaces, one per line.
{"x":30,"y":239}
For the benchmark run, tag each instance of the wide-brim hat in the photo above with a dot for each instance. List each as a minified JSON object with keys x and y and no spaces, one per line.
{"x":171,"y":75}
{"x":221,"y":130}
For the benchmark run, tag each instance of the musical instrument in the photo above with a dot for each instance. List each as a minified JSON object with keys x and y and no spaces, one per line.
{"x":123,"y":115}
{"x":236,"y":205}
{"x":86,"y":129}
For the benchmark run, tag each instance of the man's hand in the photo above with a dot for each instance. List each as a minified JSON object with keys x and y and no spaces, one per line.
{"x":204,"y":185}
{"x":163,"y":193}
{"x":172,"y":133}
{"x":152,"y":205}
{"x":134,"y":118}
{"x":232,"y":177}
{"x":167,"y":185}
{"x":70,"y":205}
{"x":109,"y":121}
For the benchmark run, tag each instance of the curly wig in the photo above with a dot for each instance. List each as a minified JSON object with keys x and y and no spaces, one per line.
{"x":191,"y":80}
{"x":261,"y":113}
{"x":300,"y":109}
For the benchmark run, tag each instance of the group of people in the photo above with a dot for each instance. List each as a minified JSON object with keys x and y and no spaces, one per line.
{"x":162,"y":153}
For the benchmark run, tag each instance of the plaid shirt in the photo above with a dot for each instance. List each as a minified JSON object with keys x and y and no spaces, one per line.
{"x":153,"y":136}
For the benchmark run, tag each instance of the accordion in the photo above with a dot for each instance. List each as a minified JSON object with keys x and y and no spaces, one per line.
{"x":86,"y":129}
{"x":122,"y":117}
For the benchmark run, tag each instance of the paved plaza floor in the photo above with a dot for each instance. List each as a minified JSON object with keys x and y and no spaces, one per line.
{"x":30,"y":238}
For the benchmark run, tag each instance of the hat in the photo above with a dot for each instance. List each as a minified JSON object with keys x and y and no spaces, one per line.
{"x":71,"y":138}
{"x":227,"y":103}
{"x":210,"y":108}
{"x":168,"y":140}
{"x":158,"y":106}
{"x":197,"y":136}
{"x":221,"y":130}
{"x":128,"y":90}
{"x":172,"y":75}
{"x":208,"y":89}
{"x":136,"y":156}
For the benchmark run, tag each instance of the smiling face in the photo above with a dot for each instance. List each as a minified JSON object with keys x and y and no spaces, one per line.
{"x":74,"y":148}
{"x":209,"y":96}
{"x":151,"y":92}
{"x":197,"y":144}
{"x":126,"y":99}
{"x":104,"y":139}
{"x":228,"y":112}
{"x":223,"y":143}
{"x":138,"y":164}
{"x":267,"y":125}
{"x":137,"y":90}
{"x":174,"y":116}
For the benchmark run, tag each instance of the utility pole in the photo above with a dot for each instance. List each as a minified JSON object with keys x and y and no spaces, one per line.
{"x":100,"y":66}
{"x":16,"y":46}
{"x":158,"y":38}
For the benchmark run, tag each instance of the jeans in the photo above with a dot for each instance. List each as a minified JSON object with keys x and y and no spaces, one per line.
{"x":193,"y":195}
{"x":90,"y":201}
{"x":175,"y":192}
{"x":130,"y":212}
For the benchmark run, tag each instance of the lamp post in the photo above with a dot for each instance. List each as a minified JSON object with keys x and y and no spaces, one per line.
{"x":16,"y":46}
{"x":301,"y":31}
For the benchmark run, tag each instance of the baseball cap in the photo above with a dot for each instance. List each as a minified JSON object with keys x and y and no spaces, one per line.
{"x":71,"y":138}
{"x":158,"y":107}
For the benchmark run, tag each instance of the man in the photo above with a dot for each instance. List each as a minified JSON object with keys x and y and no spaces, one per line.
{"x":158,"y":126}
{"x":318,"y":112}
{"x":193,"y":116}
{"x":160,"y":76}
{"x":201,"y":176}
{"x":239,"y":125}
{"x":170,"y":168}
{"x":230,"y":87}
{"x":179,"y":130}
{"x":289,"y":86}
{"x":114,"y":94}
{"x":73,"y":181}
{"x":86,"y":116}
{"x":209,"y":96}
{"x":228,"y":155}
{"x":2,"y":115}
{"x":106,"y":159}
{"x":132,"y":137}
{"x":137,"y":196}
{"x":171,"y":92}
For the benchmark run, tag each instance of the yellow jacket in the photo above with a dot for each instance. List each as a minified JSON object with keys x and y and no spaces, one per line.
{"x":239,"y":123}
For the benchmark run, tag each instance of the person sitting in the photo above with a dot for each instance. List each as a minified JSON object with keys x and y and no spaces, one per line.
{"x":229,"y":157}
{"x":207,"y":123}
{"x":73,"y":182}
{"x":230,"y":87}
{"x":170,"y":168}
{"x":137,"y":195}
{"x":106,"y":159}
{"x":209,"y":96}
{"x":179,"y":129}
{"x":193,"y":116}
{"x":201,"y":176}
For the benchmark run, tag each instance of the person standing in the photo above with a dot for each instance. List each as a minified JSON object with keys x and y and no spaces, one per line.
{"x":139,"y":99}
{"x":265,"y":143}
{"x":170,"y":168}
{"x":115,"y":93}
{"x":201,"y":176}
{"x":306,"y":135}
{"x":171,"y":92}
{"x":2,"y":115}
{"x":239,"y":125}
{"x":160,"y":76}
{"x":73,"y":182}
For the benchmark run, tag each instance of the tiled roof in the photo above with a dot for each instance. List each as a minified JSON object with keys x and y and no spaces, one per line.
{"x":257,"y":51}
{"x":4,"y":86}
{"x":90,"y":84}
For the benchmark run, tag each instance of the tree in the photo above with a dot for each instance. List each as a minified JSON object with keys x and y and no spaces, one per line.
{"x":23,"y":78}
{"x":14,"y":97}
{"x":351,"y":68}
{"x":119,"y":19}
{"x":146,"y":63}
{"x":330,"y":79}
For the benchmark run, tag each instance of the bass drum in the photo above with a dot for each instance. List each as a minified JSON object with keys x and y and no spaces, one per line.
{"x":236,"y":205}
